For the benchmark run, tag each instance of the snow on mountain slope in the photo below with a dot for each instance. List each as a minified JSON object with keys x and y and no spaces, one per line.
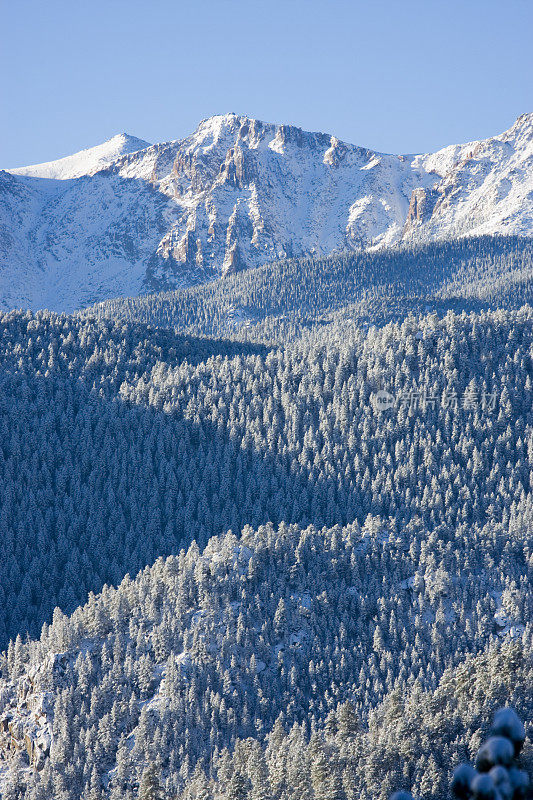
{"x":86,"y":162}
{"x":486,"y":187}
{"x":127,"y":217}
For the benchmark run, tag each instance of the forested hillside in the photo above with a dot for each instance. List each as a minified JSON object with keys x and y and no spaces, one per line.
{"x":376,"y":484}
{"x":368,"y":657}
{"x":279,"y":300}
{"x":120,"y":444}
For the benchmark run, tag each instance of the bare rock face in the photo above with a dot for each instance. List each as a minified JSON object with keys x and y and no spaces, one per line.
{"x":421,"y":206}
{"x":27,"y":713}
{"x":128,"y":217}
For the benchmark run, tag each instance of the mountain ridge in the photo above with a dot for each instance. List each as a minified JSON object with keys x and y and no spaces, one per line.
{"x":523,"y":121}
{"x":238,"y":193}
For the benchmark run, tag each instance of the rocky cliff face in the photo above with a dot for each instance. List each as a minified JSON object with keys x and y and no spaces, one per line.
{"x":127,"y":217}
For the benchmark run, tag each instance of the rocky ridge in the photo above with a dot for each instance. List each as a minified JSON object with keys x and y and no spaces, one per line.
{"x":126,"y":217}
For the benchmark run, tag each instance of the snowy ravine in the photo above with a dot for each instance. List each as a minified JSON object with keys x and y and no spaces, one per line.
{"x":127,"y":217}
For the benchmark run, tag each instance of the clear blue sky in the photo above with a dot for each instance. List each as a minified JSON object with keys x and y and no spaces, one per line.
{"x":395,"y":75}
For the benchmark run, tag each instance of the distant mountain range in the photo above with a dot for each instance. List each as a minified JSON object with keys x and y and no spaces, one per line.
{"x":127,"y":217}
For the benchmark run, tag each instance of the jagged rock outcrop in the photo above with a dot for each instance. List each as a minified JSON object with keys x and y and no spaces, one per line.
{"x":421,"y":206}
{"x":27,"y":715}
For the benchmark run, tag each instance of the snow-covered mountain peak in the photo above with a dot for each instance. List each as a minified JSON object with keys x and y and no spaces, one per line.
{"x":523,"y":123}
{"x":520,"y":135}
{"x":238,"y":130}
{"x":85,"y":162}
{"x":238,"y":193}
{"x":216,"y":126}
